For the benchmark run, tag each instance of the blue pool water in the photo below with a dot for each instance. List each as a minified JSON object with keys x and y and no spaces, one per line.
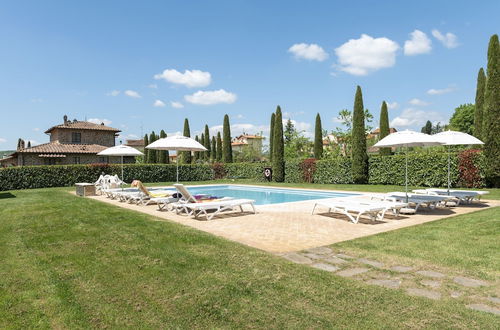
{"x":264,"y":195}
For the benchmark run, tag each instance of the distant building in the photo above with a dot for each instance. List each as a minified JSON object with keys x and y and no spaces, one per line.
{"x":247,"y":141}
{"x":137,"y":144}
{"x":72,"y":142}
{"x":376,"y":132}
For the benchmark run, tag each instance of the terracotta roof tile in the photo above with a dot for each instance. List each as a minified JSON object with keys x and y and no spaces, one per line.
{"x":135,"y":143}
{"x":83,"y":125}
{"x":62,"y":148}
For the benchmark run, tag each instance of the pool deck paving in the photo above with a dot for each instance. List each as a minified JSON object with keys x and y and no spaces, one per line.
{"x":286,"y":227}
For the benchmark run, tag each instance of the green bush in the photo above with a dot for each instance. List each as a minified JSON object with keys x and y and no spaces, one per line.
{"x":337,"y":171}
{"x":253,"y":171}
{"x":293,"y":172}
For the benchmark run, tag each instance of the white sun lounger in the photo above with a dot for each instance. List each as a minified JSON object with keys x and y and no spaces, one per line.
{"x":431,"y":201}
{"x":467,"y":196}
{"x":390,"y":204}
{"x":348,"y":206}
{"x":203,"y":208}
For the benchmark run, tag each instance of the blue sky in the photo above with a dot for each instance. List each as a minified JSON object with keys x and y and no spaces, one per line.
{"x":114,"y":60}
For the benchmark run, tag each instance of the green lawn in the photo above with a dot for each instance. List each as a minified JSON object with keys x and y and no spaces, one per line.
{"x":70,"y":262}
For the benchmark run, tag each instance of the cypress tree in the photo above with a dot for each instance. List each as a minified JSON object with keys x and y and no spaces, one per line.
{"x":152,"y":153}
{"x":271,"y":137}
{"x":163,"y":154}
{"x":206,"y":143}
{"x":186,"y":155}
{"x":384,"y":128}
{"x":226,"y":142}
{"x":427,"y":129}
{"x":203,"y":154}
{"x":146,"y":151}
{"x":219,"y":147}
{"x":478,"y":112}
{"x":196,"y":154}
{"x":491,"y":131}
{"x":213,"y":152}
{"x":318,"y":138}
{"x":278,"y":148}
{"x":359,"y":155}
{"x":29,"y":144}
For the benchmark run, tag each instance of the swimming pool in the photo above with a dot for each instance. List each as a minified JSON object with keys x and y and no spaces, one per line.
{"x":264,"y":195}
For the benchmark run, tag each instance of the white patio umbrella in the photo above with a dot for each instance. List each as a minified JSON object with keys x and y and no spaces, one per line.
{"x":177,"y":143}
{"x":120,"y":151}
{"x":407,"y":139}
{"x":453,"y":138}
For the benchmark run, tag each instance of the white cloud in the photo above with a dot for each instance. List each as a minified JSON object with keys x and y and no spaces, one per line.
{"x":153,"y":86}
{"x":433,"y":91}
{"x":36,"y":129}
{"x":418,"y":102}
{"x":2,"y":140}
{"x":177,"y":105}
{"x":413,"y":117}
{"x":365,"y":55}
{"x":132,"y":94}
{"x":113,"y":93}
{"x":392,"y":105}
{"x":98,"y":121}
{"x":418,"y":44}
{"x":449,"y":40}
{"x":159,"y":104}
{"x":211,"y":97}
{"x":37,"y":100}
{"x":311,"y":52}
{"x":240,"y":116}
{"x":190,"y":78}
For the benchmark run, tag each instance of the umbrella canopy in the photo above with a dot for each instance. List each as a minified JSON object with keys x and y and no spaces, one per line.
{"x":452,"y":138}
{"x":178,"y":143}
{"x":120,"y":151}
{"x":408,"y":139}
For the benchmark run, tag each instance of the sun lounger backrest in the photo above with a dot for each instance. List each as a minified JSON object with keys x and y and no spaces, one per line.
{"x":186,"y":195}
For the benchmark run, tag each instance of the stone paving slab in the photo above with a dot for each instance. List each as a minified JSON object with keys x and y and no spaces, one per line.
{"x":352,"y":272}
{"x":484,"y":308}
{"x":320,"y":250}
{"x":431,"y":284}
{"x":431,"y":273}
{"x":372,"y":263}
{"x":287,"y":227}
{"x":401,"y":269}
{"x":494,"y":299}
{"x":424,"y":293}
{"x":327,"y":267}
{"x":391,"y":284}
{"x":334,"y":260}
{"x":469,"y":282}
{"x":297,"y":258}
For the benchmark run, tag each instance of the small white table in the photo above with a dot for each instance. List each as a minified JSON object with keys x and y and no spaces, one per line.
{"x":85,"y":189}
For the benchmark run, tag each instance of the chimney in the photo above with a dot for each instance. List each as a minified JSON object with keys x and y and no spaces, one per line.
{"x":65,"y":120}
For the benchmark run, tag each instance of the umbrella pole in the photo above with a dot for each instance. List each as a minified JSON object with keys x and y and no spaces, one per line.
{"x":177,"y":164}
{"x":449,"y":170}
{"x":406,"y":175}
{"x":123,"y":179}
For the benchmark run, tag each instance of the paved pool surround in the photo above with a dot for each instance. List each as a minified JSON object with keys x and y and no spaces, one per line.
{"x":280,"y":228}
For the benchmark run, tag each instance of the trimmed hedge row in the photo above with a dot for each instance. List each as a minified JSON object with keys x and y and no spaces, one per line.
{"x":423,"y":170}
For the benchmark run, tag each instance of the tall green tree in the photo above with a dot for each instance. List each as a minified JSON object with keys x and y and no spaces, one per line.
{"x":213,"y":151}
{"x":359,"y":155}
{"x":427,"y":129}
{"x":186,"y":155}
{"x":384,"y":128}
{"x":196,"y":154}
{"x":463,"y":118}
{"x":146,"y":151}
{"x":206,"y":143}
{"x":163,"y":156}
{"x":491,"y":131}
{"x":278,"y":148}
{"x":152,"y":153}
{"x":226,"y":142}
{"x":289,"y":131}
{"x":271,"y":137}
{"x":478,"y":113}
{"x":203,"y":154}
{"x":219,"y":147}
{"x":318,"y":138}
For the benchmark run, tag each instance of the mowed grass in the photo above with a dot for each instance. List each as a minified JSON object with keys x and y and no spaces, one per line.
{"x":70,"y":262}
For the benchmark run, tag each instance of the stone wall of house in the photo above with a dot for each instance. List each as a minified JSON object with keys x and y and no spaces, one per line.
{"x":103,"y":138}
{"x":28,"y":159}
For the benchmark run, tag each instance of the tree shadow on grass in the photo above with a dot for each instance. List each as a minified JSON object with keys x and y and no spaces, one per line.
{"x":7,"y":195}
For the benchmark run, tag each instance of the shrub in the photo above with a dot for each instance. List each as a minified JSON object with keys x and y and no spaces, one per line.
{"x":293,"y":173}
{"x":245,"y":170}
{"x":337,"y":171}
{"x":469,"y":163}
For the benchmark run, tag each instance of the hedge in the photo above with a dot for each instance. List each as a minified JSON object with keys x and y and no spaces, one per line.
{"x":428,"y":169}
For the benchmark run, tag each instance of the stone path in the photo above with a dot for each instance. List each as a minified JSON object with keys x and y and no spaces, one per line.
{"x":428,"y":283}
